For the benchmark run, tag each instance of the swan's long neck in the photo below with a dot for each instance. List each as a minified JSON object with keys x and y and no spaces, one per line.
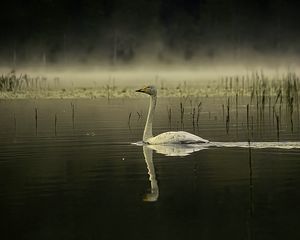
{"x":148,"y":126}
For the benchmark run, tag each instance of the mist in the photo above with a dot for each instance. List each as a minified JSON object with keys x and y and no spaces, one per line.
{"x":149,"y":34}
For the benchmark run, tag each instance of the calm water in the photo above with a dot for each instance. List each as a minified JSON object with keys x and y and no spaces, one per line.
{"x":87,"y":181}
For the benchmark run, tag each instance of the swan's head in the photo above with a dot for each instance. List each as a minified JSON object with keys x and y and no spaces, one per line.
{"x":150,"y":197}
{"x":150,"y":90}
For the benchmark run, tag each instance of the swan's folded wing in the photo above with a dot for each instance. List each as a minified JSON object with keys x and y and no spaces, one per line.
{"x":179,"y":137}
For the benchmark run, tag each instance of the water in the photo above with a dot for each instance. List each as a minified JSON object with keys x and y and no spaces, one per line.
{"x":88,"y":181}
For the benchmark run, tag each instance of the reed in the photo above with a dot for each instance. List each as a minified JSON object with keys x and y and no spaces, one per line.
{"x":181,"y":114}
{"x":263,"y":102}
{"x":73,"y":114}
{"x":13,"y":82}
{"x":228,"y":117}
{"x":55,"y":124}
{"x":198,"y":112}
{"x":108,"y":92}
{"x":270,"y":105}
{"x":129,"y":118}
{"x":237,"y":112}
{"x":36,"y":120}
{"x":169,"y":110}
{"x":291,"y":108}
{"x":248,"y":118}
{"x":223,"y":112}
{"x":257,"y":108}
{"x":193,"y":117}
{"x":252,"y":95}
{"x":252,"y":127}
{"x":296,"y":95}
{"x":277,"y":126}
{"x":273,"y":115}
{"x":236,"y":107}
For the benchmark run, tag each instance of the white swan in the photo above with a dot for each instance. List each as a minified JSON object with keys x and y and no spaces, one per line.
{"x":179,"y":137}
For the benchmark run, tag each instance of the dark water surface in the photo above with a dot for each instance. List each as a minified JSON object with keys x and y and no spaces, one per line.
{"x":87,"y":181}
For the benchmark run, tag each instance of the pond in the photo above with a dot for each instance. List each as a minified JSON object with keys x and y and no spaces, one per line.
{"x":69,"y":170}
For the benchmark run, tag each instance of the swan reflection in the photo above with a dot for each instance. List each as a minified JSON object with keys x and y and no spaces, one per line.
{"x":167,"y":150}
{"x":173,"y":150}
{"x":148,"y":155}
{"x":182,"y":150}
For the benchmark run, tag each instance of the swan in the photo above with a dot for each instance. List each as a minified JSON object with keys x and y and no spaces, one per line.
{"x":179,"y":137}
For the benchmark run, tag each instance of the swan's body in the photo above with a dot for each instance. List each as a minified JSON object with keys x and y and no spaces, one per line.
{"x":179,"y":137}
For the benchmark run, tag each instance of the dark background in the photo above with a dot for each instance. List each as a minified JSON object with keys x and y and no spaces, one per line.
{"x":84,"y":31}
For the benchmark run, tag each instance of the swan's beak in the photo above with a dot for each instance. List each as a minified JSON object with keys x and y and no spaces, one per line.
{"x":142,"y":90}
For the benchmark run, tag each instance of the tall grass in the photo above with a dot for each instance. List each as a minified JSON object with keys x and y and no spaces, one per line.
{"x":13,"y":82}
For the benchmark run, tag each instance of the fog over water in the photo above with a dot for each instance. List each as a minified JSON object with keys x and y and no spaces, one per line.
{"x":91,"y":75}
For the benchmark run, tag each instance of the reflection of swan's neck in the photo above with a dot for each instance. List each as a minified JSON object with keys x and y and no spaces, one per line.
{"x":153,"y":196}
{"x":148,"y":126}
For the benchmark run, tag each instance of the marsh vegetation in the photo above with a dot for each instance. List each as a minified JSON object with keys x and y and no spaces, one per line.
{"x":255,"y":100}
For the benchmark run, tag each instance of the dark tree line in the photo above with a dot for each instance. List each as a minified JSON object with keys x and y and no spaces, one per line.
{"x":119,"y":30}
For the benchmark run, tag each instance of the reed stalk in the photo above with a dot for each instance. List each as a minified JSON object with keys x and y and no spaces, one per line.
{"x":55,"y":123}
{"x":36,"y":120}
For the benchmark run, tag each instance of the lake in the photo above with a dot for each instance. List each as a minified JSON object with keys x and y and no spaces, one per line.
{"x":69,"y":170}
